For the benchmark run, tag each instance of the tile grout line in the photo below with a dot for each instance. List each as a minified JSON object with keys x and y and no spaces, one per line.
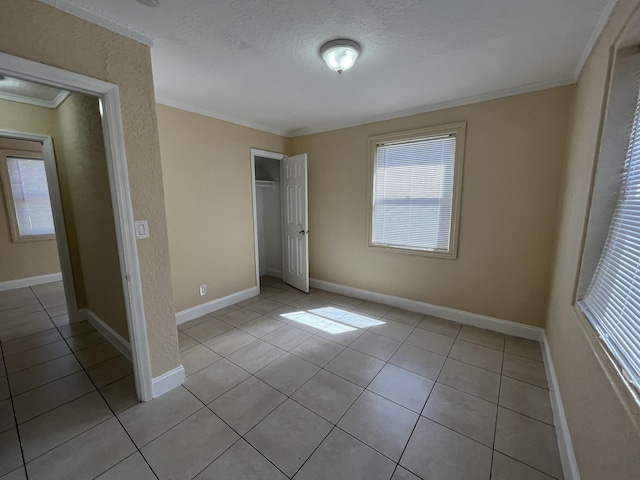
{"x":241,"y":438}
{"x":206,"y":405}
{"x":39,"y":346}
{"x":66,"y":376}
{"x":114,"y":416}
{"x":495,"y":427}
{"x":335,"y":425}
{"x":435,"y":381}
{"x":15,"y":419}
{"x":41,"y":363}
{"x":289,"y":397}
{"x":322,"y":368}
{"x":386,"y":362}
{"x":364,"y":389}
{"x":529,"y":466}
{"x":84,"y":370}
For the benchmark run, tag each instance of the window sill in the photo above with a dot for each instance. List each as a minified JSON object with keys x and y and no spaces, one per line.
{"x":33,"y":238}
{"x":626,"y":392}
{"x":450,"y":255}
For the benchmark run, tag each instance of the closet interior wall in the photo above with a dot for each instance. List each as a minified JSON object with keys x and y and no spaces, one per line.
{"x":268,"y":206}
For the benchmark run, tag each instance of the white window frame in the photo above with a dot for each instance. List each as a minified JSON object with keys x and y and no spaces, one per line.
{"x":613,"y":146}
{"x":457,"y":129}
{"x":16,"y":236}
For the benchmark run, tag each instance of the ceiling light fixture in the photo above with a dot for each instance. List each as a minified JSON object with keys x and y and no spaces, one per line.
{"x":149,"y":3}
{"x":340,"y":54}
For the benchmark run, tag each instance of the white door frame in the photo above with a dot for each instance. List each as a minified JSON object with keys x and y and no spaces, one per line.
{"x":58,"y":214}
{"x":266,"y":154}
{"x":109,"y":99}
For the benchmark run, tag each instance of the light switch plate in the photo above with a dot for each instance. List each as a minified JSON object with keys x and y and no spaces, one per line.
{"x":142,"y":229}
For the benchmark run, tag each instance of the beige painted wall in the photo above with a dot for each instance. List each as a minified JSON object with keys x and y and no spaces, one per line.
{"x":603,"y":418}
{"x":26,"y":259}
{"x":84,"y":183}
{"x":513,"y":162}
{"x":84,"y":189}
{"x":207,"y":177}
{"x":32,"y":119}
{"x":38,"y":32}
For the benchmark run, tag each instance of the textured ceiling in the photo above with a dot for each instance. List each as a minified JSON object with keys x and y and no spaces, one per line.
{"x":28,"y":92}
{"x":256,"y":62}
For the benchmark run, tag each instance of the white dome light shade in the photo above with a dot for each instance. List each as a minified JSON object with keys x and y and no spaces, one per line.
{"x":340,"y":55}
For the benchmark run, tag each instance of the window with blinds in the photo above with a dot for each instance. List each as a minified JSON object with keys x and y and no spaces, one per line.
{"x":612,"y":300}
{"x":415,"y":191}
{"x":30,"y":196}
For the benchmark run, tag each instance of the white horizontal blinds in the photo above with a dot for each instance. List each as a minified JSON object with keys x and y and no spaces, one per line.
{"x":612,"y":302}
{"x":413,"y":193}
{"x":30,"y":196}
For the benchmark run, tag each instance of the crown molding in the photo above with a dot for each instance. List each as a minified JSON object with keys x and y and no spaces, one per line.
{"x":403,"y":113}
{"x":440,"y":106}
{"x":38,"y":102}
{"x":600,"y":24}
{"x":211,"y":114}
{"x":101,"y":20}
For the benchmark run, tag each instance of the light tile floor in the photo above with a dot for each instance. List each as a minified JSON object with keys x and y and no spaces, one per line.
{"x":284,"y":385}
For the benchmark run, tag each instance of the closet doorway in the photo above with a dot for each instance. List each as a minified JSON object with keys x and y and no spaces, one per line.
{"x":280,"y":217}
{"x":269,"y":216}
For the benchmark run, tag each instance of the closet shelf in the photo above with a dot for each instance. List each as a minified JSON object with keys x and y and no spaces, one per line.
{"x":267,"y":183}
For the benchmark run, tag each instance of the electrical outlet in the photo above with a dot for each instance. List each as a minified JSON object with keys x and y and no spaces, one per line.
{"x":203,"y":290}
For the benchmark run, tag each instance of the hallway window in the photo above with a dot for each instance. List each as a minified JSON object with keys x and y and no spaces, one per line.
{"x":415,"y":196}
{"x":27,"y":197}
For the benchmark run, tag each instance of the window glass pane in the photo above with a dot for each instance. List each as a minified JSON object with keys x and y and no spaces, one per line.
{"x":612,"y":302}
{"x":413,"y":194}
{"x":30,"y":196}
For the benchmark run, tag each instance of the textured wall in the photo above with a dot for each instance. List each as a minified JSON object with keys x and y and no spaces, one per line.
{"x":27,"y":259}
{"x":35,"y":31}
{"x":207,"y":176}
{"x":84,"y":185}
{"x":513,"y":163}
{"x":604,"y":419}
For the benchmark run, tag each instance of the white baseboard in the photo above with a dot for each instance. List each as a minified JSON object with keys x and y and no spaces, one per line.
{"x":161,"y":384}
{"x":30,"y":281}
{"x":567,"y":455}
{"x":204,"y":308}
{"x":476,"y":320}
{"x":109,"y":333}
{"x":168,"y":381}
{"x":272,"y":272}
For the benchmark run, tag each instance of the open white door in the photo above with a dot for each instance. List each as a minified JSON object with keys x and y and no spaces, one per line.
{"x":295,"y":227}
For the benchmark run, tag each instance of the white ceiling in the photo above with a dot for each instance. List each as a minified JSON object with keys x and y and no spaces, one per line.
{"x":256,"y":63}
{"x":23,"y":91}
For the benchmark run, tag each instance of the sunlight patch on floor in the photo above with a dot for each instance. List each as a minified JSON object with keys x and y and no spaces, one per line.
{"x":350,"y":318}
{"x":332,"y":320}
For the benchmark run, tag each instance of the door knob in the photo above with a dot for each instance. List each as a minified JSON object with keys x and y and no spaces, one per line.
{"x":302,"y":232}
